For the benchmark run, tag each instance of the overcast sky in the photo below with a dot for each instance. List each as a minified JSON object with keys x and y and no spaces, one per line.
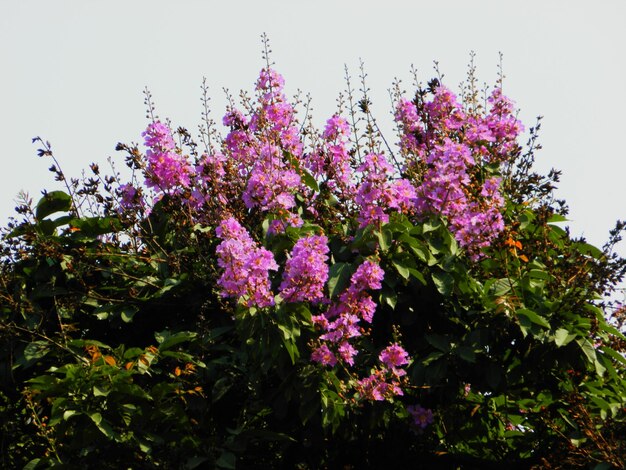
{"x":73,"y":72}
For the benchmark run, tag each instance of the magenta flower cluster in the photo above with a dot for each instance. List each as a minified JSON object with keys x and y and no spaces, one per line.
{"x":378,"y":193}
{"x":306,"y":271}
{"x":167,"y":169}
{"x":455,"y":145}
{"x":246,"y":266}
{"x":259,"y":144}
{"x":422,"y":417}
{"x":386,"y":381}
{"x":451,"y":156}
{"x":343,"y":321}
{"x":331,"y":161}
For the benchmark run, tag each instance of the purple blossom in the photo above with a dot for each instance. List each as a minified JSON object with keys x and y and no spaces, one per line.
{"x":394,"y":356}
{"x":246,"y":266}
{"x":340,"y":323}
{"x":324,"y":356}
{"x":422,"y":417}
{"x":377,"y":192}
{"x":306,"y":271}
{"x":167,"y":169}
{"x":130,"y":197}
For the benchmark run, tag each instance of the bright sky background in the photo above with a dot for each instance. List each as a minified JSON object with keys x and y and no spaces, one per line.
{"x":73,"y":72}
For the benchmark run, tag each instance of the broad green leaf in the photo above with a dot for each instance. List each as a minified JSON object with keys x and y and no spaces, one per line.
{"x":384,"y":239}
{"x":439,"y":342}
{"x":533,"y":317}
{"x":402,"y":269}
{"x":338,"y":278}
{"x":555,"y":218}
{"x":68,"y":414}
{"x":587,"y":347}
{"x":32,"y":465}
{"x":444,"y":282}
{"x":101,"y":391}
{"x":54,"y":201}
{"x":168,"y":340}
{"x":563,"y":337}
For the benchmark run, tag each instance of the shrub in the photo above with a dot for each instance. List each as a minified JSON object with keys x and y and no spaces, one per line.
{"x":302,"y":298}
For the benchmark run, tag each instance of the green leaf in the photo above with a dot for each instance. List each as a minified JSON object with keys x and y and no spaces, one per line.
{"x":563,"y":337}
{"x":402,"y":269}
{"x":431,"y":226}
{"x":539,"y":274}
{"x":221,"y":387}
{"x":227,"y":460}
{"x":554,"y":218}
{"x":614,"y":354}
{"x":465,"y":353}
{"x":32,"y":465}
{"x":127,"y":312}
{"x":96,"y":418}
{"x":101,"y":391}
{"x":384,"y":239}
{"x":590,"y":352}
{"x":603,"y":466}
{"x":32,"y":353}
{"x":55,"y":201}
{"x":589,"y":249}
{"x":533,"y":317}
{"x":91,"y":227}
{"x":305,"y":176}
{"x":439,"y":342}
{"x":68,"y":414}
{"x":309,"y":180}
{"x":338,"y":278}
{"x":168,"y":340}
{"x":444,"y":282}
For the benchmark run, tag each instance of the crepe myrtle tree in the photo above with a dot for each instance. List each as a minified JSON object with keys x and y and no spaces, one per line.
{"x":276,"y":295}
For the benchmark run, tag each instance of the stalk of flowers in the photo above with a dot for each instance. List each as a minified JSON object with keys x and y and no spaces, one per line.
{"x":340,"y":323}
{"x":276,"y":117}
{"x":387,"y":379}
{"x":422,"y":417}
{"x":167,"y":169}
{"x":306,"y":271}
{"x":377,"y":192}
{"x":504,"y":126}
{"x":454,"y":146}
{"x":131,"y":198}
{"x":258,"y":145}
{"x":331,"y":161}
{"x":246,"y":266}
{"x":411,"y":126}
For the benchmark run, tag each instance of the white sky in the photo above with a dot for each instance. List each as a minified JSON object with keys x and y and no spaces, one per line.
{"x":73,"y":72}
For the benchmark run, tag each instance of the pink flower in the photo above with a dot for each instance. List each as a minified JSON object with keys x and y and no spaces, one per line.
{"x":306,"y":271}
{"x":324,"y":356}
{"x":246,"y":266}
{"x":422,"y":417}
{"x":167,"y":169}
{"x":394,"y":356}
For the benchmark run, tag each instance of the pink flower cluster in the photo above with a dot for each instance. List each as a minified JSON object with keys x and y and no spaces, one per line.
{"x":340,"y":323}
{"x":378,"y":192}
{"x":332,"y":161}
{"x":385,"y":382}
{"x":167,"y":169}
{"x":422,"y":417}
{"x":210,"y":178}
{"x":130,"y":197}
{"x":246,"y":266}
{"x":258,"y":146}
{"x":306,"y":271}
{"x":454,"y":146}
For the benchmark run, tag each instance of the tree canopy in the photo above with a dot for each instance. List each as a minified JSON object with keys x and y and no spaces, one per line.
{"x":283,"y":296}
